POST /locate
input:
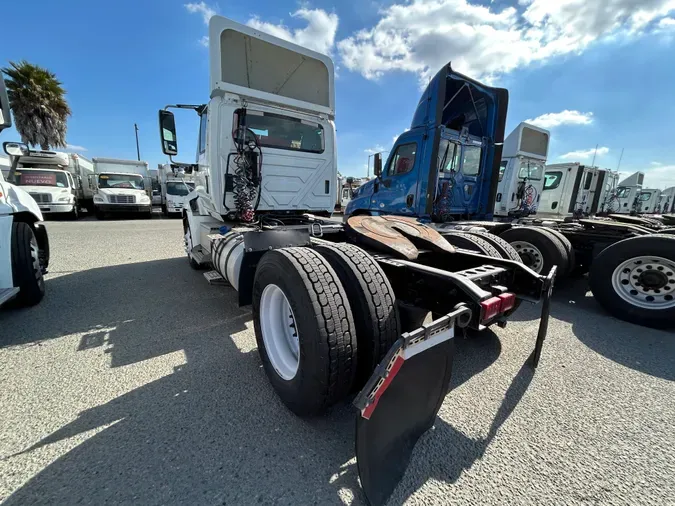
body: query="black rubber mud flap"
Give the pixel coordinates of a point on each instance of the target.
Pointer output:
(400, 403)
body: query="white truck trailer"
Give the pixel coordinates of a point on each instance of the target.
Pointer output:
(122, 186)
(175, 185)
(521, 173)
(328, 314)
(24, 244)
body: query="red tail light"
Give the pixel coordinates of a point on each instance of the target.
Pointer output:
(496, 305)
(508, 301)
(490, 308)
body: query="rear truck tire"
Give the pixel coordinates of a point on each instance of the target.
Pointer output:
(567, 245)
(372, 301)
(467, 241)
(634, 280)
(537, 249)
(26, 267)
(506, 251)
(304, 329)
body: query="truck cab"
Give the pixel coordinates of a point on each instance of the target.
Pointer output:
(24, 243)
(446, 166)
(521, 173)
(625, 199)
(45, 176)
(572, 190)
(121, 186)
(175, 185)
(648, 201)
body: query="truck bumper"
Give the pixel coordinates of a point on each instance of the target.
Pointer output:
(124, 208)
(56, 208)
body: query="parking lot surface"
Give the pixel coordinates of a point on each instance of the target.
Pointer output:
(135, 382)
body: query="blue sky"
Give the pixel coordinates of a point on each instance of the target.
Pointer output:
(598, 72)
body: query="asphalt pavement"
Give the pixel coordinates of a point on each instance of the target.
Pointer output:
(136, 382)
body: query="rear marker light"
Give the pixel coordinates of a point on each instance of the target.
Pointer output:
(508, 301)
(490, 308)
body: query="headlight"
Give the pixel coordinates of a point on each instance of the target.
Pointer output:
(98, 198)
(145, 198)
(64, 199)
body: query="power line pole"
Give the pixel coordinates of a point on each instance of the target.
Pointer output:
(138, 150)
(596, 152)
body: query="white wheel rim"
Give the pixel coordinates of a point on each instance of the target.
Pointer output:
(530, 255)
(279, 332)
(647, 282)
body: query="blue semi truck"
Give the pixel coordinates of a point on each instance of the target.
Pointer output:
(444, 172)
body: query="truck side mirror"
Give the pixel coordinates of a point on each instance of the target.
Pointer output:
(5, 116)
(15, 148)
(377, 165)
(167, 132)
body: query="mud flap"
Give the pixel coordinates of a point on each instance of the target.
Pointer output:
(547, 291)
(400, 403)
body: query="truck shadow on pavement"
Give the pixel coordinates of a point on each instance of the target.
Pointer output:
(213, 431)
(643, 349)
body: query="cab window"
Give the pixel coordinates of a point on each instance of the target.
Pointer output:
(448, 156)
(623, 192)
(645, 196)
(202, 132)
(552, 180)
(403, 160)
(502, 169)
(471, 160)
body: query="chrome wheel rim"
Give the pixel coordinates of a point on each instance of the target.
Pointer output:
(279, 332)
(530, 255)
(647, 282)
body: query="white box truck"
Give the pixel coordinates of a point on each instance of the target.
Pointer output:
(51, 178)
(121, 186)
(24, 244)
(175, 184)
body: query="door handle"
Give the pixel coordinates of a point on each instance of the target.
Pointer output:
(409, 200)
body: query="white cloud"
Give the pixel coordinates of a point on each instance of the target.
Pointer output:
(656, 164)
(667, 24)
(204, 41)
(566, 117)
(660, 177)
(319, 34)
(201, 8)
(74, 147)
(585, 154)
(377, 149)
(420, 36)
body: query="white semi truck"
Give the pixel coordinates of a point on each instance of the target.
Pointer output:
(59, 182)
(625, 199)
(521, 173)
(175, 185)
(24, 244)
(331, 301)
(648, 201)
(667, 201)
(122, 186)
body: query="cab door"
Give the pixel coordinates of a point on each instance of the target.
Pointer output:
(395, 192)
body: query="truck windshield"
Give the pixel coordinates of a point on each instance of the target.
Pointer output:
(531, 169)
(622, 192)
(179, 188)
(645, 196)
(32, 177)
(129, 181)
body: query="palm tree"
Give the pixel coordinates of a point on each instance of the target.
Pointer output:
(38, 102)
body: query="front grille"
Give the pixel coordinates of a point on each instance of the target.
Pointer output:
(122, 199)
(41, 198)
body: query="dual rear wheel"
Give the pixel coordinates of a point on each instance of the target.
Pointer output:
(324, 318)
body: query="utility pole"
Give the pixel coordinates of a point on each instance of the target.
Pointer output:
(620, 158)
(592, 163)
(138, 150)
